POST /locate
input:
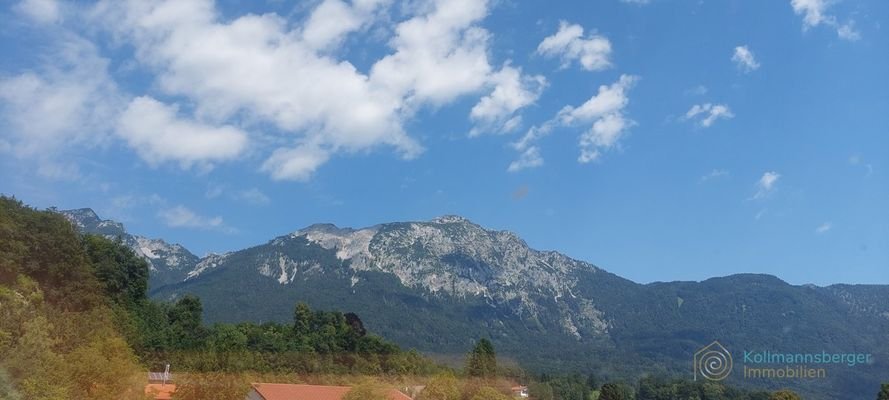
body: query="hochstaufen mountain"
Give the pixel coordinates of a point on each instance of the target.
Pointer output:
(440, 285)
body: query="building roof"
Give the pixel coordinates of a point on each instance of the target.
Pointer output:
(280, 391)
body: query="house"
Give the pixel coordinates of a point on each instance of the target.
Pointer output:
(519, 391)
(281, 391)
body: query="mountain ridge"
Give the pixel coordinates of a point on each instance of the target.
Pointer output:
(441, 284)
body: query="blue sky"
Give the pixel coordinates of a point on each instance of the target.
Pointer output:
(659, 140)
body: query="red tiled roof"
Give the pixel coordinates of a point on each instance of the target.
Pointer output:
(280, 391)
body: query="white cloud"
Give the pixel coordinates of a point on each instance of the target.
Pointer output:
(637, 2)
(158, 134)
(255, 67)
(281, 80)
(714, 174)
(815, 13)
(49, 113)
(744, 59)
(766, 184)
(512, 91)
(707, 113)
(603, 113)
(253, 196)
(569, 44)
(823, 228)
(42, 11)
(529, 158)
(297, 163)
(439, 55)
(332, 20)
(182, 217)
(261, 70)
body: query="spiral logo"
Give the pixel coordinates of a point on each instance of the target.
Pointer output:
(713, 362)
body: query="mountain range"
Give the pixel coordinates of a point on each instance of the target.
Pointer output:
(442, 284)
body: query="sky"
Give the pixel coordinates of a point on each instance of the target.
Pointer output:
(659, 140)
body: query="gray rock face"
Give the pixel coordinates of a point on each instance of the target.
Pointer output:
(168, 263)
(453, 256)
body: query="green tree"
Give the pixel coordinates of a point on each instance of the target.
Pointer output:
(489, 393)
(616, 391)
(443, 386)
(226, 338)
(540, 391)
(186, 329)
(367, 391)
(884, 392)
(482, 360)
(785, 395)
(122, 274)
(302, 319)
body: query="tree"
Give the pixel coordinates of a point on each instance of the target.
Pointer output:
(302, 319)
(489, 393)
(443, 386)
(884, 392)
(615, 391)
(785, 395)
(185, 323)
(366, 391)
(482, 359)
(123, 274)
(540, 391)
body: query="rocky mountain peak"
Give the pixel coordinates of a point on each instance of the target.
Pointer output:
(451, 219)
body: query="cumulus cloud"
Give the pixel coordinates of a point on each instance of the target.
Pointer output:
(182, 217)
(330, 22)
(706, 114)
(158, 134)
(569, 44)
(745, 59)
(603, 116)
(42, 11)
(766, 184)
(815, 13)
(283, 81)
(439, 55)
(823, 228)
(512, 91)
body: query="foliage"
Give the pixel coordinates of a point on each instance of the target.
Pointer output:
(489, 393)
(482, 360)
(367, 391)
(884, 392)
(211, 386)
(616, 391)
(443, 386)
(541, 391)
(785, 395)
(59, 337)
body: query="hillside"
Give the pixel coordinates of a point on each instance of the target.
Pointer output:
(442, 284)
